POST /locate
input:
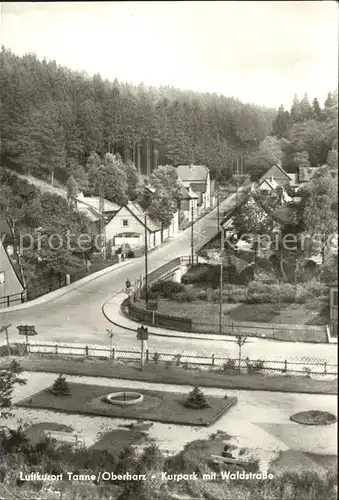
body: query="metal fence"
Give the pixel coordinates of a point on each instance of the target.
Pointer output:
(304, 365)
(11, 300)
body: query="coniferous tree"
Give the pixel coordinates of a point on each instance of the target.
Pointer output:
(316, 109)
(60, 386)
(196, 400)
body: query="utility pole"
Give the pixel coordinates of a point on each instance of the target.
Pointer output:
(221, 277)
(146, 262)
(192, 236)
(102, 218)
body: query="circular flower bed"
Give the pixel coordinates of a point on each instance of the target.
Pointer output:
(124, 398)
(314, 417)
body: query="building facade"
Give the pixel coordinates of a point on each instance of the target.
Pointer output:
(11, 288)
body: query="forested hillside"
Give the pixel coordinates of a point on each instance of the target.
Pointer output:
(53, 118)
(305, 136)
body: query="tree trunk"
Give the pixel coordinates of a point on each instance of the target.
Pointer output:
(11, 225)
(148, 157)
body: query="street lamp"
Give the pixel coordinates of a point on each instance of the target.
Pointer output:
(146, 259)
(221, 276)
(151, 191)
(192, 236)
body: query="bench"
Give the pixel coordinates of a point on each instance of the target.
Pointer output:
(65, 437)
(226, 460)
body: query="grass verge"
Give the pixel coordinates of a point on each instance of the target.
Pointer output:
(177, 375)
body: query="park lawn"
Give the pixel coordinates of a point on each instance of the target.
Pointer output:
(199, 310)
(205, 319)
(175, 375)
(208, 312)
(158, 406)
(270, 313)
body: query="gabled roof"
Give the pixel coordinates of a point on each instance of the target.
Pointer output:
(94, 203)
(192, 173)
(183, 193)
(271, 183)
(137, 212)
(270, 172)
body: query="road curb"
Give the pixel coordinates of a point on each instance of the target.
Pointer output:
(194, 336)
(176, 334)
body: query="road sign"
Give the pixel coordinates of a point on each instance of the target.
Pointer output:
(27, 330)
(152, 305)
(142, 333)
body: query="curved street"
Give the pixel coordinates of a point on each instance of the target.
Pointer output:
(77, 316)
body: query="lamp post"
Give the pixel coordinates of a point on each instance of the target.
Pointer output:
(221, 276)
(192, 236)
(146, 260)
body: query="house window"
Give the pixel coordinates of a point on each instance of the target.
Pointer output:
(124, 222)
(2, 277)
(334, 296)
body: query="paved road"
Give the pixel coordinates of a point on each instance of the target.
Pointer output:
(77, 316)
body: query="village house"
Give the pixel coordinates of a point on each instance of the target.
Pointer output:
(11, 287)
(278, 174)
(188, 203)
(129, 225)
(90, 207)
(197, 177)
(270, 186)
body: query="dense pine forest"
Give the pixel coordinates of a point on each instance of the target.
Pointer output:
(54, 118)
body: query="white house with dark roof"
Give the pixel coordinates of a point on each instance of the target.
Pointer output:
(197, 177)
(11, 287)
(90, 207)
(278, 174)
(188, 202)
(129, 225)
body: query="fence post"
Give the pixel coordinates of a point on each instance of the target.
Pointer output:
(86, 351)
(113, 353)
(325, 367)
(212, 359)
(147, 356)
(8, 300)
(285, 367)
(56, 348)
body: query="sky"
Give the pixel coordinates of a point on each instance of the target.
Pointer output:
(260, 52)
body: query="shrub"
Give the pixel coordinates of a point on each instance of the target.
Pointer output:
(167, 288)
(255, 366)
(246, 275)
(196, 400)
(259, 293)
(60, 387)
(229, 366)
(186, 296)
(202, 295)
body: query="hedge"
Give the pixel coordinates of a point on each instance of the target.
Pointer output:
(139, 313)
